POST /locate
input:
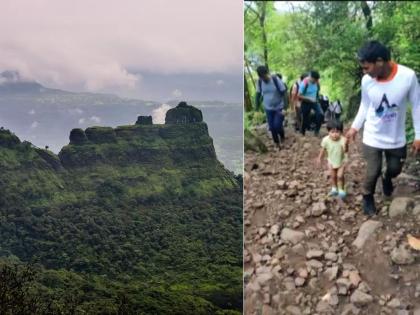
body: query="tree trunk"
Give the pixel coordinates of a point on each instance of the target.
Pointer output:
(367, 12)
(247, 96)
(248, 69)
(354, 100)
(262, 14)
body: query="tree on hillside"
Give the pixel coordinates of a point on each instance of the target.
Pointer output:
(15, 291)
(258, 12)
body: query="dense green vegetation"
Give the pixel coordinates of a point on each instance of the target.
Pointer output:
(138, 220)
(325, 35)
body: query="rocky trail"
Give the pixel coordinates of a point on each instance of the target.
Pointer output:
(307, 253)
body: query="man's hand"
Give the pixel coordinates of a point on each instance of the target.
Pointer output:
(351, 134)
(346, 145)
(416, 147)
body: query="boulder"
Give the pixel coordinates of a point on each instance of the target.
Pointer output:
(292, 236)
(365, 232)
(416, 211)
(252, 142)
(331, 273)
(350, 309)
(331, 256)
(394, 303)
(77, 136)
(183, 114)
(318, 209)
(144, 120)
(293, 310)
(324, 308)
(400, 206)
(101, 134)
(360, 298)
(314, 254)
(402, 256)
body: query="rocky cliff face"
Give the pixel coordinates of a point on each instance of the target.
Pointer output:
(183, 114)
(8, 139)
(144, 120)
(175, 157)
(183, 139)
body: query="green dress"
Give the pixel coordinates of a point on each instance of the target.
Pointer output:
(335, 150)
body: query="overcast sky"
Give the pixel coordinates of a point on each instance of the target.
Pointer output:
(103, 46)
(288, 6)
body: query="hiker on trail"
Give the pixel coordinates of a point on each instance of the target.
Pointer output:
(386, 87)
(272, 90)
(308, 94)
(334, 110)
(335, 145)
(285, 95)
(295, 101)
(324, 102)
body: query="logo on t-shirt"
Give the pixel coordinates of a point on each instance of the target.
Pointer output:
(385, 111)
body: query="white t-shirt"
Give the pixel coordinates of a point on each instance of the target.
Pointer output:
(383, 109)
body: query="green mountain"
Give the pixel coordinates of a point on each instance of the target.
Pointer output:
(140, 218)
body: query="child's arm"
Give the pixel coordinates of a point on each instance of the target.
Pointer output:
(321, 156)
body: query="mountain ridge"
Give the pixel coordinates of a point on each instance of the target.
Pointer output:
(43, 118)
(138, 209)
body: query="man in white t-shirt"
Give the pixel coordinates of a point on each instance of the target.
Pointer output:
(386, 89)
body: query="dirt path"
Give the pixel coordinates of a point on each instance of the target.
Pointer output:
(299, 256)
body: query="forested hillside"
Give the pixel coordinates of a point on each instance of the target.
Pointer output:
(140, 219)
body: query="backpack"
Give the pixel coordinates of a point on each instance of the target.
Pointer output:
(324, 102)
(306, 82)
(330, 114)
(276, 83)
(285, 96)
(340, 107)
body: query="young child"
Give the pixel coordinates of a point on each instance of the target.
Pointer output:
(336, 147)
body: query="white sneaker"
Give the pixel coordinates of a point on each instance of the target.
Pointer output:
(333, 192)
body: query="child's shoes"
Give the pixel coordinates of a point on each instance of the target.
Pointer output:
(342, 194)
(333, 192)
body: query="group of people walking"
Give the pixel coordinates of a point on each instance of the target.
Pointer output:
(303, 97)
(386, 89)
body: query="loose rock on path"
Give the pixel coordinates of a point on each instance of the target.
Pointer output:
(307, 253)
